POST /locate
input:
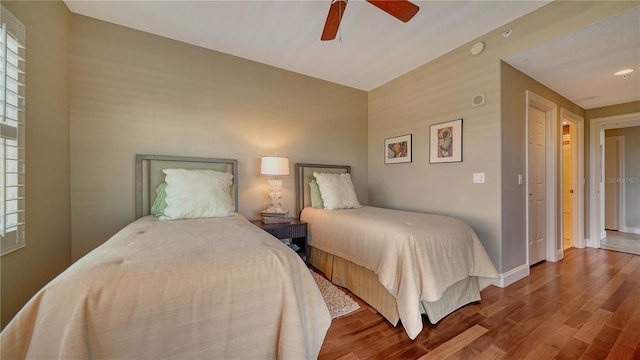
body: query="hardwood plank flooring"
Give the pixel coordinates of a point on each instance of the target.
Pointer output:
(586, 306)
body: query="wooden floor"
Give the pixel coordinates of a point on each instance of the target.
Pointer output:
(586, 306)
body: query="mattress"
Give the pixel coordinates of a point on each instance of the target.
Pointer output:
(416, 257)
(214, 288)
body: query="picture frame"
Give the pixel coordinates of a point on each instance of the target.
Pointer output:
(445, 142)
(397, 149)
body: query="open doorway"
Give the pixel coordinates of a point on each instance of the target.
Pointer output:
(572, 180)
(567, 183)
(622, 189)
(628, 183)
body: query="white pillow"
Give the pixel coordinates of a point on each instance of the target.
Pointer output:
(194, 194)
(337, 191)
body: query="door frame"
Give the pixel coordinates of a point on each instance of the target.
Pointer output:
(596, 170)
(577, 179)
(552, 253)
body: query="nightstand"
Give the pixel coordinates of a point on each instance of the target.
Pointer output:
(296, 230)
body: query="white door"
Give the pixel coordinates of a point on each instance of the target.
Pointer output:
(536, 179)
(611, 183)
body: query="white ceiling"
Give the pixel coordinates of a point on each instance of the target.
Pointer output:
(583, 62)
(375, 47)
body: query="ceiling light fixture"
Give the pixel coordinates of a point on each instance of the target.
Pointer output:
(623, 72)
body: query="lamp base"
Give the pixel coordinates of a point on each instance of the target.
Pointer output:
(275, 194)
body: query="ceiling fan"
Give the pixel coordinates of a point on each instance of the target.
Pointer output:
(401, 9)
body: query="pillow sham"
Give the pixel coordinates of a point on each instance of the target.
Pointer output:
(159, 204)
(316, 198)
(193, 194)
(337, 191)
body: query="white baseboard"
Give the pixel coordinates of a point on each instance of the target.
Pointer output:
(559, 255)
(592, 243)
(513, 275)
(631, 230)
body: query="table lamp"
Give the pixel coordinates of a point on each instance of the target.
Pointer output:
(274, 166)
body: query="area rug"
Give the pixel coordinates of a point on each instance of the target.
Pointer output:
(338, 302)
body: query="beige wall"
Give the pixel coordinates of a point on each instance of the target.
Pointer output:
(132, 92)
(442, 90)
(48, 228)
(620, 109)
(435, 93)
(514, 160)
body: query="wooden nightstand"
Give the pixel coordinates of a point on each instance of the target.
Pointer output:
(296, 230)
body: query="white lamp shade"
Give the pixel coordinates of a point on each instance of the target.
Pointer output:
(274, 165)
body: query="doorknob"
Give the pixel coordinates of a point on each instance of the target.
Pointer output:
(571, 191)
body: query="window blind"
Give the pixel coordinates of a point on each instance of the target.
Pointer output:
(12, 132)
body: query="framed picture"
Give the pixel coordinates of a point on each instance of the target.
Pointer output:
(397, 149)
(445, 144)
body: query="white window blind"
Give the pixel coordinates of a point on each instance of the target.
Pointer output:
(12, 132)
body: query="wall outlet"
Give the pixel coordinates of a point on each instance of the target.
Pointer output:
(478, 178)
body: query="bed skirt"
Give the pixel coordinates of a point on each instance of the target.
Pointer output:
(364, 284)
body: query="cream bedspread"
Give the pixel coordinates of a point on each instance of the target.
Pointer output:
(416, 256)
(189, 289)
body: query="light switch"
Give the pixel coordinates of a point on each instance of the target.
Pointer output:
(478, 178)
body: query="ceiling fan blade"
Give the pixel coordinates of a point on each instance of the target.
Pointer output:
(401, 9)
(333, 19)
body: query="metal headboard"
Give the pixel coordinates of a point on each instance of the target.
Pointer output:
(149, 175)
(304, 174)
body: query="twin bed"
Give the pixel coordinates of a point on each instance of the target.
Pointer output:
(209, 288)
(212, 285)
(402, 263)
